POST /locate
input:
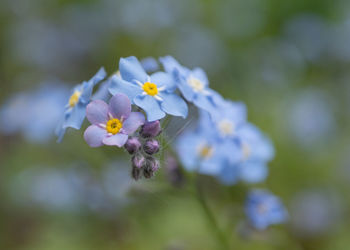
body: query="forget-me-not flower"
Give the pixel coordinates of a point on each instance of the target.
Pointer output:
(201, 150)
(228, 117)
(193, 84)
(76, 107)
(263, 209)
(154, 93)
(111, 124)
(255, 150)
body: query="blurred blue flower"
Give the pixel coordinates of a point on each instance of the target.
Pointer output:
(193, 84)
(263, 209)
(228, 116)
(311, 121)
(255, 151)
(154, 94)
(76, 108)
(36, 103)
(204, 154)
(314, 212)
(201, 150)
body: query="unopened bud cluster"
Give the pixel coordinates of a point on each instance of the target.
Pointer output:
(142, 147)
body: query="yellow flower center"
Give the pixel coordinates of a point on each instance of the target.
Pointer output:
(206, 151)
(195, 84)
(113, 126)
(73, 100)
(150, 88)
(226, 127)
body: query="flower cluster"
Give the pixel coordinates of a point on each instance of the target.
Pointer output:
(223, 144)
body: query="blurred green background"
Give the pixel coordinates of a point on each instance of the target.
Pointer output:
(287, 60)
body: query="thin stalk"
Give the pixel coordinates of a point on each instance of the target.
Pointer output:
(219, 234)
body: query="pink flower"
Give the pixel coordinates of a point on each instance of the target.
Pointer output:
(113, 123)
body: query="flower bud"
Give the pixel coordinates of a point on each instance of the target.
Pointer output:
(132, 145)
(151, 129)
(138, 161)
(151, 146)
(152, 165)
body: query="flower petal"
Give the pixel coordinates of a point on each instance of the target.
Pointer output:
(186, 90)
(204, 102)
(97, 112)
(75, 118)
(87, 87)
(94, 135)
(118, 85)
(134, 121)
(169, 63)
(99, 76)
(163, 79)
(200, 75)
(119, 106)
(115, 140)
(151, 106)
(174, 105)
(130, 69)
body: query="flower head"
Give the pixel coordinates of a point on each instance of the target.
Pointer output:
(154, 93)
(193, 84)
(74, 114)
(256, 150)
(228, 117)
(111, 124)
(201, 150)
(263, 209)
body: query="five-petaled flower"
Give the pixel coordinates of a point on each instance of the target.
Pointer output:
(193, 84)
(154, 94)
(74, 114)
(113, 123)
(263, 209)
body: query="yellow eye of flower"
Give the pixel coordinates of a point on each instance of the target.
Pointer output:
(73, 100)
(113, 126)
(206, 151)
(150, 88)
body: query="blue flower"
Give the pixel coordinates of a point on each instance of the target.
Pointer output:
(193, 84)
(263, 209)
(43, 108)
(154, 94)
(200, 150)
(228, 117)
(255, 150)
(75, 112)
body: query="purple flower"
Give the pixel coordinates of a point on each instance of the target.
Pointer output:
(111, 124)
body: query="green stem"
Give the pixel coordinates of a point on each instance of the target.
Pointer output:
(219, 234)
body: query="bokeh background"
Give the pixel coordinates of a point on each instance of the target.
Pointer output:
(287, 60)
